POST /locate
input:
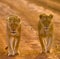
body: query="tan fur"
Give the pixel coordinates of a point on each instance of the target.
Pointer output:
(13, 34)
(45, 31)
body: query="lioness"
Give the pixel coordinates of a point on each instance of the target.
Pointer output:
(45, 31)
(13, 34)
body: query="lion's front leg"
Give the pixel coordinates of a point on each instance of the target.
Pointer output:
(42, 43)
(10, 45)
(49, 43)
(16, 44)
(49, 39)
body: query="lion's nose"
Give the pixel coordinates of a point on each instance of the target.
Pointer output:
(13, 31)
(46, 27)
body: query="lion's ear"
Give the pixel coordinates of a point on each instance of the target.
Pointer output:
(51, 16)
(8, 18)
(40, 16)
(19, 19)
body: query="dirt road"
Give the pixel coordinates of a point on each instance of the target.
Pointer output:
(29, 14)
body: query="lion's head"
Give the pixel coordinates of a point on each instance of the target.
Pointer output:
(46, 19)
(13, 22)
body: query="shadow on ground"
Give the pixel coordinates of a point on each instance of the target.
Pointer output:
(6, 57)
(41, 56)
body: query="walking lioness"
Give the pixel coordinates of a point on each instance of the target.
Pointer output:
(45, 30)
(13, 34)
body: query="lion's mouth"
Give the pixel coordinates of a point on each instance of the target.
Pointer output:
(13, 32)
